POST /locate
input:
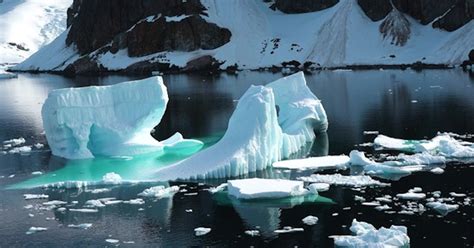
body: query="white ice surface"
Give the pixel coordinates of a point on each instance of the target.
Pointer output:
(442, 208)
(159, 191)
(254, 188)
(338, 179)
(200, 231)
(366, 235)
(252, 144)
(318, 187)
(310, 220)
(326, 162)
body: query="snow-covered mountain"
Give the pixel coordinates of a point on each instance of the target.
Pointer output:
(27, 25)
(142, 36)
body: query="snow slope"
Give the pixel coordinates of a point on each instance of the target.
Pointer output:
(29, 24)
(252, 144)
(335, 37)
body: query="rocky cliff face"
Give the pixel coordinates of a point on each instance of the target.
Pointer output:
(303, 6)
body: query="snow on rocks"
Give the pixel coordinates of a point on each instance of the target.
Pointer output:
(366, 235)
(265, 188)
(310, 220)
(160, 191)
(252, 144)
(200, 231)
(325, 162)
(36, 229)
(338, 179)
(110, 120)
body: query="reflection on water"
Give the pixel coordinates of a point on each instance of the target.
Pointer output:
(403, 104)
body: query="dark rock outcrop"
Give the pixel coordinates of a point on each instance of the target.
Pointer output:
(425, 11)
(396, 27)
(376, 10)
(94, 23)
(189, 34)
(461, 13)
(471, 55)
(303, 6)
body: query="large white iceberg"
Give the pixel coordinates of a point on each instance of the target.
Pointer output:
(106, 120)
(270, 123)
(368, 236)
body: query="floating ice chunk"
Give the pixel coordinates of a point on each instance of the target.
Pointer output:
(454, 149)
(358, 158)
(159, 191)
(36, 229)
(200, 231)
(412, 196)
(112, 202)
(137, 201)
(371, 132)
(394, 143)
(105, 120)
(423, 158)
(176, 144)
(35, 196)
(325, 162)
(112, 241)
(338, 179)
(219, 188)
(386, 198)
(437, 170)
(383, 208)
(83, 210)
(36, 173)
(265, 188)
(252, 233)
(15, 142)
(310, 220)
(7, 75)
(38, 145)
(21, 149)
(252, 144)
(442, 208)
(318, 187)
(94, 204)
(97, 191)
(54, 203)
(454, 194)
(112, 178)
(80, 226)
(368, 236)
(289, 229)
(359, 198)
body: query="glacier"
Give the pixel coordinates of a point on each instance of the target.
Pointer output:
(285, 115)
(114, 120)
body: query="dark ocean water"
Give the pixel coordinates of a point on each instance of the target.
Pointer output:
(405, 104)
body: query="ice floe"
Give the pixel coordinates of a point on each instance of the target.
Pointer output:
(310, 220)
(106, 120)
(159, 191)
(36, 229)
(366, 235)
(80, 226)
(411, 196)
(14, 142)
(35, 196)
(94, 204)
(84, 210)
(252, 144)
(112, 178)
(289, 229)
(200, 231)
(315, 188)
(338, 179)
(252, 233)
(442, 208)
(265, 188)
(325, 162)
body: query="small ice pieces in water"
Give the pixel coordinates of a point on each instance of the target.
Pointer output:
(35, 196)
(200, 231)
(252, 233)
(437, 170)
(318, 187)
(310, 220)
(219, 188)
(454, 194)
(411, 196)
(442, 208)
(15, 142)
(80, 226)
(84, 210)
(137, 201)
(21, 149)
(36, 173)
(94, 204)
(159, 191)
(54, 203)
(253, 188)
(325, 162)
(38, 145)
(289, 229)
(338, 179)
(366, 235)
(36, 229)
(112, 241)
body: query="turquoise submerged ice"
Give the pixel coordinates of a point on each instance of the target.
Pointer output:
(269, 123)
(111, 120)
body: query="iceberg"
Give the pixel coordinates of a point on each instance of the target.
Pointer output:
(111, 120)
(285, 115)
(368, 236)
(325, 162)
(254, 188)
